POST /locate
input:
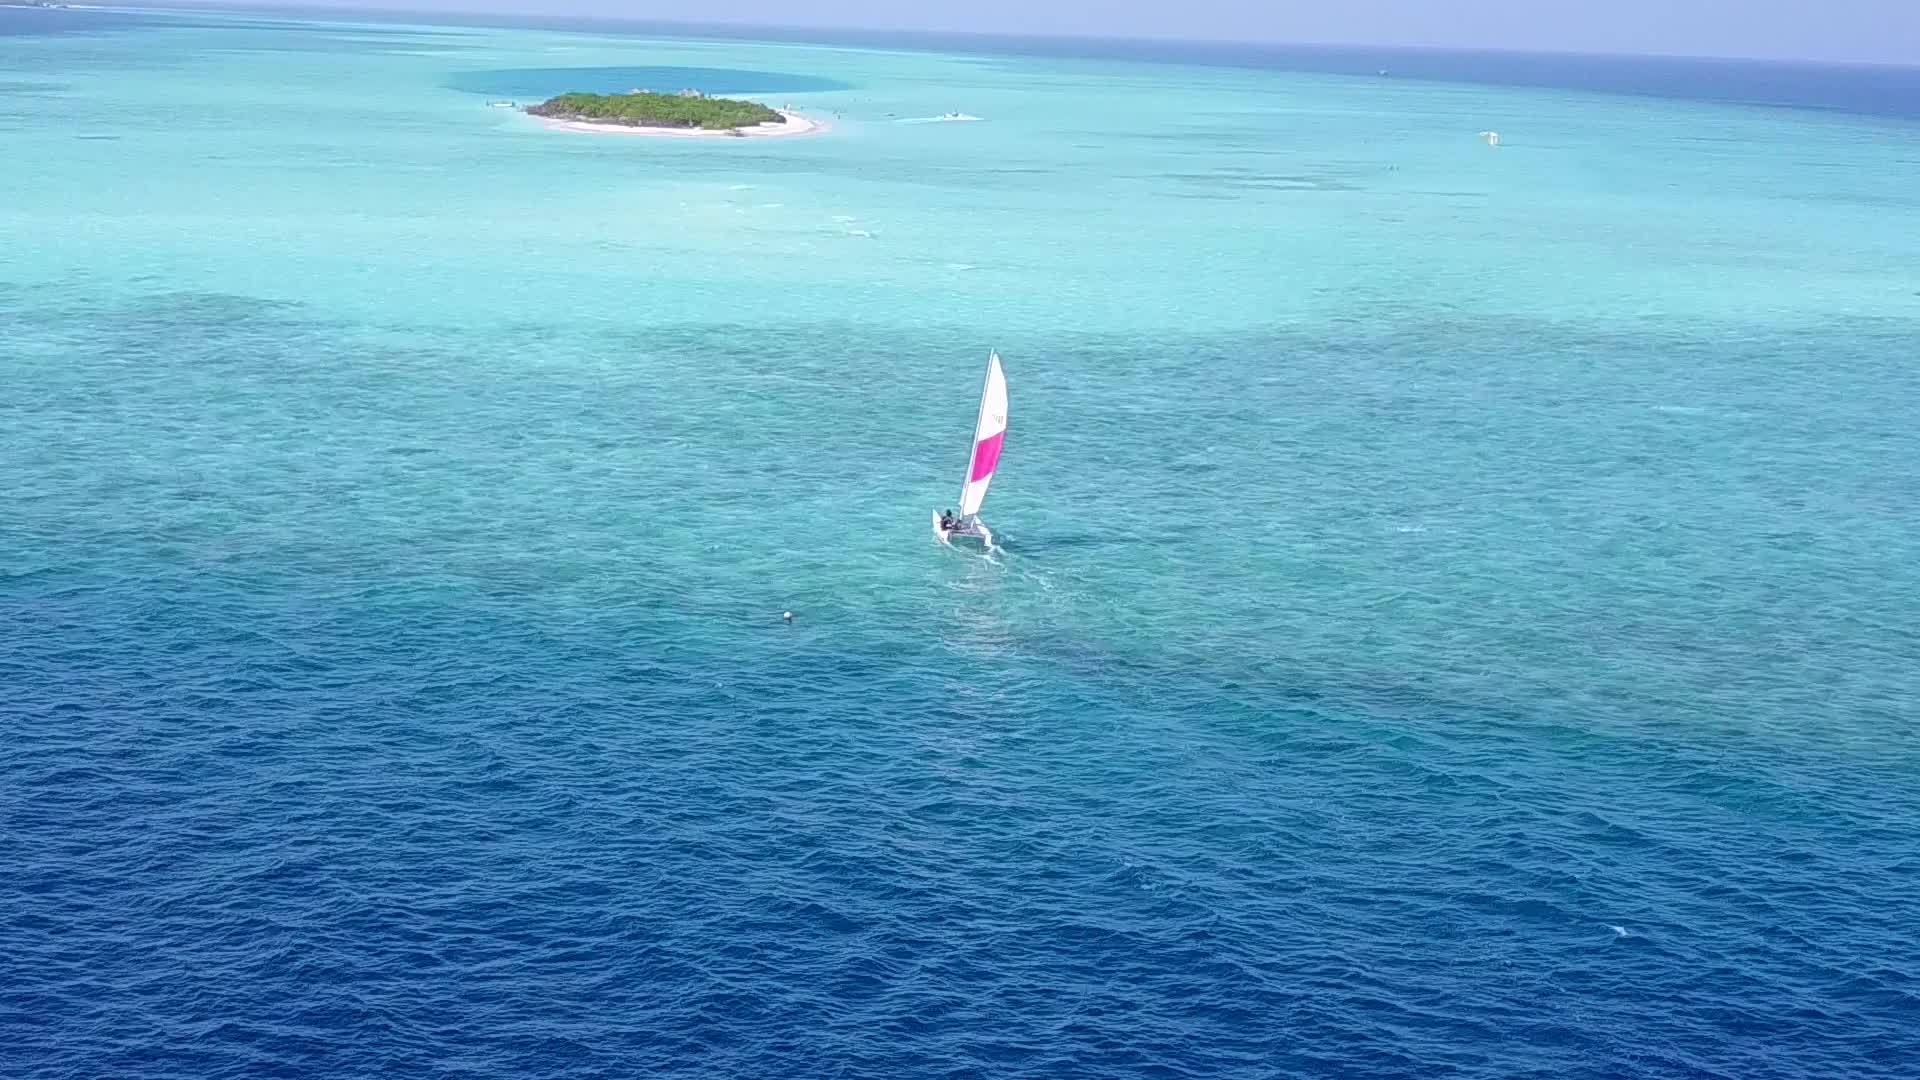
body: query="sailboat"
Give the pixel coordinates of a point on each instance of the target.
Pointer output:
(983, 457)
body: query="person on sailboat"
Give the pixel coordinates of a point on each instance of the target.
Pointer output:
(948, 522)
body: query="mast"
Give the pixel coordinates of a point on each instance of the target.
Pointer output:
(973, 440)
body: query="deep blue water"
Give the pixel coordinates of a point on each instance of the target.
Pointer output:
(1460, 613)
(22, 21)
(456, 790)
(1874, 90)
(1864, 89)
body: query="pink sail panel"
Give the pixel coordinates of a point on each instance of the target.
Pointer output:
(986, 454)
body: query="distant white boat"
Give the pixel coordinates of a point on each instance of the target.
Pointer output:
(1491, 138)
(943, 118)
(500, 105)
(983, 459)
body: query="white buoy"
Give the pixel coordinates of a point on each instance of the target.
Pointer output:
(787, 615)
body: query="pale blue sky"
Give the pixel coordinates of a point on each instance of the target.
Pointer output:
(1886, 31)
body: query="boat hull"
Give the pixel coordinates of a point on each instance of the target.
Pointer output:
(971, 530)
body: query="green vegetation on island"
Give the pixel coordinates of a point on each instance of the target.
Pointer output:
(646, 109)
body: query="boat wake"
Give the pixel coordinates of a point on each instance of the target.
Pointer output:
(988, 553)
(949, 118)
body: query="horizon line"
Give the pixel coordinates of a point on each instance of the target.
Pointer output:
(300, 7)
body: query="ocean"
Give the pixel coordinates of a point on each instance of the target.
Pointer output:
(1459, 613)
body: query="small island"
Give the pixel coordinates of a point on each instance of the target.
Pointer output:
(689, 112)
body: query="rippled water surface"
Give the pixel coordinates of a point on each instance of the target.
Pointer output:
(1457, 615)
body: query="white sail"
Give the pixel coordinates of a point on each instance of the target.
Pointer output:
(989, 431)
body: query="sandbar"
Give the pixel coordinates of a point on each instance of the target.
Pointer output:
(790, 124)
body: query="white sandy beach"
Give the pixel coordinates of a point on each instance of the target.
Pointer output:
(790, 124)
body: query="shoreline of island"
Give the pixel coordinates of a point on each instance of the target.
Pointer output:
(791, 123)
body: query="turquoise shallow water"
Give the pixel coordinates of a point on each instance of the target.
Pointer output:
(1457, 616)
